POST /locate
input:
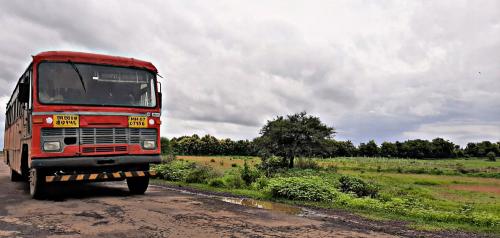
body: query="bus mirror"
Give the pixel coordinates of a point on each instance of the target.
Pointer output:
(24, 92)
(160, 99)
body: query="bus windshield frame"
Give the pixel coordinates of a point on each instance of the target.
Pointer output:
(100, 85)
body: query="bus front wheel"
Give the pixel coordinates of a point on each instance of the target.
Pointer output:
(138, 185)
(37, 184)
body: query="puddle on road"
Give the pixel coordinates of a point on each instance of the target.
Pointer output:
(263, 205)
(248, 202)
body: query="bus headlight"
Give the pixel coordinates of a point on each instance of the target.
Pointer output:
(52, 146)
(149, 144)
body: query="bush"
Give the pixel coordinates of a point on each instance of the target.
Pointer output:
(272, 165)
(232, 179)
(261, 183)
(349, 184)
(302, 163)
(175, 170)
(185, 171)
(200, 174)
(249, 175)
(302, 188)
(216, 182)
(491, 156)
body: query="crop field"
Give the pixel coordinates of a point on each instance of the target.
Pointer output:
(461, 194)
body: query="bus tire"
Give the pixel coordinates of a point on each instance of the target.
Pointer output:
(138, 185)
(25, 170)
(37, 184)
(15, 176)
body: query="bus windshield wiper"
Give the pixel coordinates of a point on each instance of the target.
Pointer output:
(79, 74)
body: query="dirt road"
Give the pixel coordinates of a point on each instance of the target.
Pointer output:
(106, 210)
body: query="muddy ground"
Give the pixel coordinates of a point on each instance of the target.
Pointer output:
(107, 210)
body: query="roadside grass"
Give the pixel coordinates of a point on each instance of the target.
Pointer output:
(427, 201)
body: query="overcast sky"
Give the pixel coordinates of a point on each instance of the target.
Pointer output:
(387, 70)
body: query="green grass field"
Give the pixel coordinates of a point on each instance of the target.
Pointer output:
(437, 194)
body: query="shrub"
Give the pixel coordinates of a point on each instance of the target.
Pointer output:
(169, 158)
(349, 184)
(212, 160)
(175, 170)
(232, 179)
(302, 163)
(185, 171)
(272, 165)
(216, 182)
(260, 183)
(302, 188)
(234, 165)
(491, 156)
(249, 175)
(200, 174)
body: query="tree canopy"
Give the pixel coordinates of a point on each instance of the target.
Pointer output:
(294, 135)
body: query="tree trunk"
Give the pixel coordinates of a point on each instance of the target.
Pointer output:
(290, 165)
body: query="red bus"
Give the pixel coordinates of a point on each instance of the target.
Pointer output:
(83, 117)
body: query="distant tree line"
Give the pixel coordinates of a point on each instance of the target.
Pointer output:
(207, 145)
(418, 149)
(302, 135)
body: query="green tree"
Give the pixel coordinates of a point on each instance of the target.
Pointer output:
(388, 149)
(471, 149)
(369, 149)
(417, 149)
(295, 135)
(442, 148)
(164, 145)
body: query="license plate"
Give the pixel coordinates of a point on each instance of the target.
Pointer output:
(137, 122)
(66, 121)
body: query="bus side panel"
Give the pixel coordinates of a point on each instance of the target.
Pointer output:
(13, 144)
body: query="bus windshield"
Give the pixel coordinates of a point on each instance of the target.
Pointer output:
(88, 84)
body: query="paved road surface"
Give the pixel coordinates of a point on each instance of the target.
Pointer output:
(106, 210)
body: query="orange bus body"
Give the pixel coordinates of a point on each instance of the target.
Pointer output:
(93, 139)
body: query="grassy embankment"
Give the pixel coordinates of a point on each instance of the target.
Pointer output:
(431, 194)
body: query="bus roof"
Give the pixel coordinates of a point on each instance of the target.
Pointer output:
(81, 57)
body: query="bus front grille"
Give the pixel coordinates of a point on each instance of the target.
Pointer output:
(99, 136)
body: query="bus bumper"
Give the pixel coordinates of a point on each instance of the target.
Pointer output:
(91, 161)
(95, 177)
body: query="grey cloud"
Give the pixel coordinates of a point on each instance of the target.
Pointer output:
(382, 70)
